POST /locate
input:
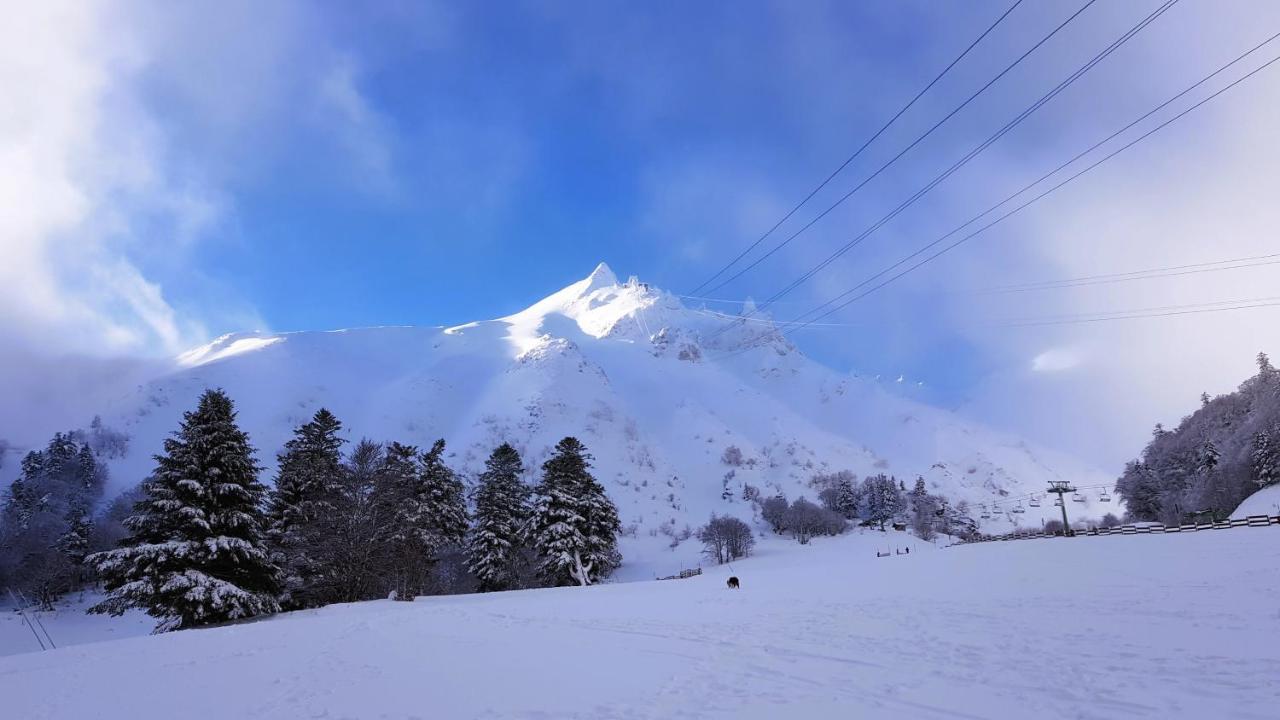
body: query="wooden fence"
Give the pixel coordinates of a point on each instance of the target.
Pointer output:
(683, 574)
(1137, 529)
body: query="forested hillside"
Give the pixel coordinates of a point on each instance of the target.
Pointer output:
(1217, 456)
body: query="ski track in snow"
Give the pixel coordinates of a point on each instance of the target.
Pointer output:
(1123, 627)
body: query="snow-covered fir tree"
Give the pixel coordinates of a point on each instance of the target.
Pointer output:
(46, 520)
(924, 510)
(408, 540)
(883, 498)
(840, 493)
(302, 505)
(444, 499)
(425, 506)
(196, 553)
(575, 525)
(1265, 457)
(502, 510)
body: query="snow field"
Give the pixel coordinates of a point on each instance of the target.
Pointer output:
(1106, 627)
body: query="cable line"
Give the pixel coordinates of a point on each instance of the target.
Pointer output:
(1149, 274)
(1028, 203)
(797, 324)
(1129, 34)
(864, 146)
(1142, 313)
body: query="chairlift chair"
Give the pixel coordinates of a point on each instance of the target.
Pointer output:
(1104, 497)
(1077, 497)
(1018, 508)
(1034, 502)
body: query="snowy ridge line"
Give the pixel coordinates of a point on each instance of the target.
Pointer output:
(1143, 529)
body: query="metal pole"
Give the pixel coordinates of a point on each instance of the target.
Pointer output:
(23, 613)
(36, 615)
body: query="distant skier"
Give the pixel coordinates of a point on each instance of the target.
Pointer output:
(733, 582)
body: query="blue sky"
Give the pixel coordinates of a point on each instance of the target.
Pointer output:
(198, 168)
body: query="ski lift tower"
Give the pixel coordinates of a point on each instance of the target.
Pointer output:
(1061, 488)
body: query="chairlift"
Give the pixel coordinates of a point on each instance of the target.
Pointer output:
(1018, 508)
(1104, 497)
(1034, 502)
(985, 515)
(1058, 502)
(1077, 497)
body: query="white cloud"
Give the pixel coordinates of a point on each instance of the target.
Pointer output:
(78, 160)
(124, 133)
(361, 129)
(1055, 360)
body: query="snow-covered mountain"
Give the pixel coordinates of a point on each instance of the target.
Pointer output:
(660, 392)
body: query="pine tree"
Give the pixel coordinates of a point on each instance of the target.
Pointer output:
(47, 519)
(575, 526)
(923, 510)
(502, 511)
(444, 499)
(196, 554)
(883, 498)
(74, 542)
(1266, 458)
(408, 540)
(302, 504)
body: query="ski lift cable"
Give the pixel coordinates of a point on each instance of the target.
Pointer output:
(973, 152)
(1044, 193)
(798, 321)
(880, 132)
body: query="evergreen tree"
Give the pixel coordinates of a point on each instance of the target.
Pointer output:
(840, 494)
(196, 554)
(355, 542)
(924, 509)
(409, 538)
(47, 519)
(575, 526)
(1265, 457)
(444, 503)
(883, 498)
(302, 504)
(502, 510)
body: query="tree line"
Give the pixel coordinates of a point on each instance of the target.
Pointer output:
(1217, 456)
(203, 541)
(842, 501)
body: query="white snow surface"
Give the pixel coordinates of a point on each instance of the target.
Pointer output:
(1163, 626)
(651, 386)
(1264, 502)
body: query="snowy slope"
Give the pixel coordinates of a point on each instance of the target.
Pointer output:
(1264, 502)
(1163, 626)
(651, 386)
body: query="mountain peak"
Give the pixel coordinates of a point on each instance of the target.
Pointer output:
(602, 276)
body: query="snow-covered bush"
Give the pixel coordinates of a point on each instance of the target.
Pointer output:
(732, 456)
(804, 520)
